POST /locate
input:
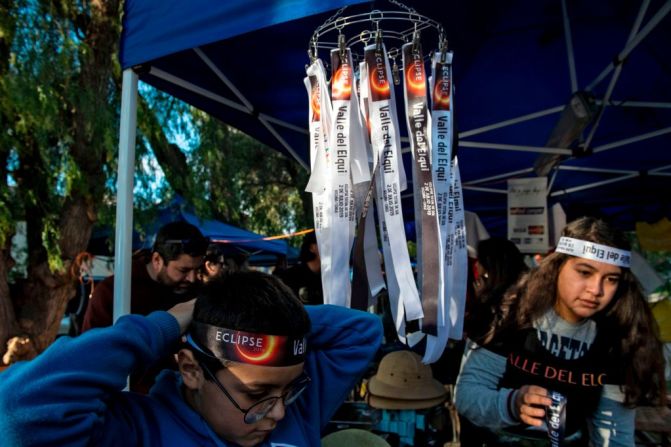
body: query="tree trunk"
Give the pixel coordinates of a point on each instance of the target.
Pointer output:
(40, 303)
(7, 317)
(45, 294)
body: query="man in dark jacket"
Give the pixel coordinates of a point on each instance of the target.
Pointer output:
(160, 279)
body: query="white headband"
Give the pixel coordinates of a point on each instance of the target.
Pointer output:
(596, 252)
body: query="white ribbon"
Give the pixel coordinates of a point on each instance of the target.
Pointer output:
(441, 162)
(459, 256)
(371, 250)
(594, 251)
(337, 286)
(451, 216)
(385, 142)
(320, 125)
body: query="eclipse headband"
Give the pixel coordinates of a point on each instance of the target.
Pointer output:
(248, 347)
(596, 252)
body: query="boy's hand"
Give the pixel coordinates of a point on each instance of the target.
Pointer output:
(183, 313)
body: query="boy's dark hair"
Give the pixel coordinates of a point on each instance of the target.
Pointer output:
(308, 240)
(178, 238)
(250, 301)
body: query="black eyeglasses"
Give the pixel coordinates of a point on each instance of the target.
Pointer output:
(260, 409)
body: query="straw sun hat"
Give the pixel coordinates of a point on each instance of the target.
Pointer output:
(403, 382)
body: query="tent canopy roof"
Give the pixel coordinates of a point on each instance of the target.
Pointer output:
(243, 62)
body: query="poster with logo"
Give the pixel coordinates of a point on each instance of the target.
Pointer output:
(528, 214)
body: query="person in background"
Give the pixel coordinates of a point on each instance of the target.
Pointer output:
(305, 278)
(493, 266)
(159, 280)
(237, 262)
(214, 263)
(256, 367)
(578, 325)
(499, 264)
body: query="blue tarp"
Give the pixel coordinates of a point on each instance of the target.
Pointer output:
(238, 240)
(245, 60)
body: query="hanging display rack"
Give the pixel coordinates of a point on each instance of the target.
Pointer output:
(391, 27)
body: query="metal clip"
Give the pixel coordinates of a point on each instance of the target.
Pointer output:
(312, 50)
(378, 40)
(394, 73)
(342, 46)
(415, 40)
(443, 50)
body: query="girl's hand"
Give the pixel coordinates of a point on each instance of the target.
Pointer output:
(183, 313)
(530, 403)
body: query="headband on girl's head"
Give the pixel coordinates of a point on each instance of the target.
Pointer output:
(593, 251)
(248, 347)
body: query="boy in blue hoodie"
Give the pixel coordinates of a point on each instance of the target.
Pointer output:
(255, 368)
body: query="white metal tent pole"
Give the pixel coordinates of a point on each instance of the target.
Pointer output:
(592, 185)
(551, 182)
(249, 106)
(654, 21)
(220, 99)
(520, 119)
(639, 19)
(569, 48)
(596, 170)
(124, 196)
(516, 147)
(616, 75)
(465, 187)
(195, 89)
(505, 175)
(627, 174)
(658, 171)
(635, 139)
(279, 122)
(641, 104)
(483, 189)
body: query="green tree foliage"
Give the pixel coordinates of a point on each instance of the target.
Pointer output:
(59, 106)
(245, 183)
(58, 112)
(226, 174)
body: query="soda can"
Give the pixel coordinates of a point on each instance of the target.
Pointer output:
(555, 418)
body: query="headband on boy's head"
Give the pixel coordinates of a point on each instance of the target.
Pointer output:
(247, 347)
(593, 251)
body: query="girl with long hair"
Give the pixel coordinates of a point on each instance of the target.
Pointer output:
(574, 332)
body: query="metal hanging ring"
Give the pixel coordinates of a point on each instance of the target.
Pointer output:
(340, 23)
(364, 37)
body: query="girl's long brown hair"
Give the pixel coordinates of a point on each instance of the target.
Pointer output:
(627, 320)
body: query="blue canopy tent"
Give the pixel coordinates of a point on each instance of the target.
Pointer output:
(234, 240)
(517, 65)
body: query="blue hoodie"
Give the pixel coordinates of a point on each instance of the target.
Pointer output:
(70, 395)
